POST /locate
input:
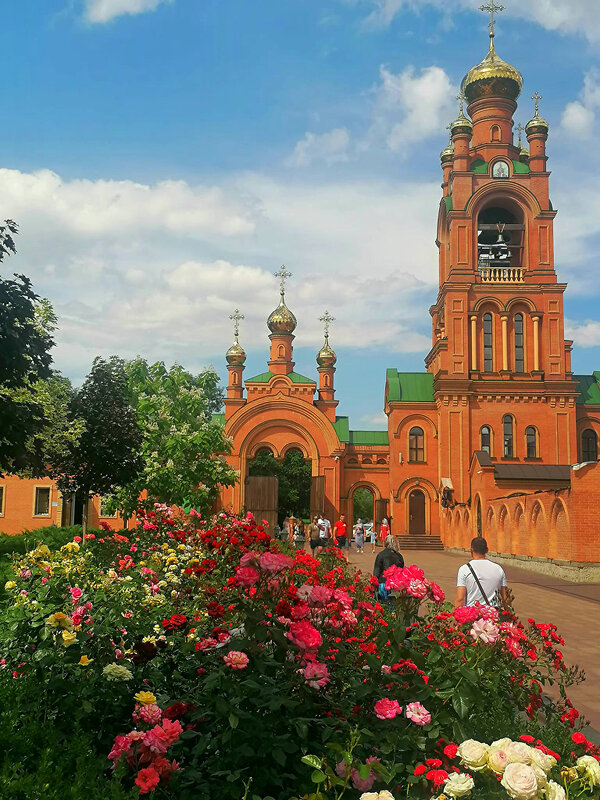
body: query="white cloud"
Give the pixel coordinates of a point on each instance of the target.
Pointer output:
(579, 117)
(379, 420)
(568, 16)
(101, 11)
(585, 334)
(330, 147)
(411, 106)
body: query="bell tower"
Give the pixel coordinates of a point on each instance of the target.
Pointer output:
(499, 355)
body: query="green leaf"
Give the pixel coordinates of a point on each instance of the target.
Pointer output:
(318, 776)
(233, 720)
(462, 701)
(313, 761)
(364, 771)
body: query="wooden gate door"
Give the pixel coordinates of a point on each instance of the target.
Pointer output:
(261, 498)
(317, 495)
(416, 512)
(380, 512)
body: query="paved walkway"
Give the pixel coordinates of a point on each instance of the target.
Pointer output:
(574, 608)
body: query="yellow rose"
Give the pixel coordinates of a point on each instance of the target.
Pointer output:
(9, 585)
(54, 620)
(84, 661)
(69, 638)
(145, 698)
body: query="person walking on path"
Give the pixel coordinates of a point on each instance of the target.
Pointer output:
(389, 556)
(325, 528)
(480, 581)
(340, 533)
(314, 534)
(359, 536)
(373, 537)
(384, 530)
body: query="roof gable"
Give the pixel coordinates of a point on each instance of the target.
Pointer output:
(409, 387)
(265, 377)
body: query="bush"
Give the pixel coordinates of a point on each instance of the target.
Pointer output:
(207, 660)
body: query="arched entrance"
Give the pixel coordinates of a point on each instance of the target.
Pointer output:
(363, 504)
(293, 473)
(416, 513)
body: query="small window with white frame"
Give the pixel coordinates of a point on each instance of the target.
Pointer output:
(104, 509)
(41, 502)
(2, 498)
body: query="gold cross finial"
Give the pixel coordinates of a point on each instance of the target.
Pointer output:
(326, 319)
(282, 274)
(236, 318)
(492, 8)
(537, 97)
(461, 97)
(520, 128)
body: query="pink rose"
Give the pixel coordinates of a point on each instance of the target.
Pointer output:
(364, 784)
(304, 635)
(513, 647)
(316, 674)
(417, 588)
(249, 559)
(466, 614)
(275, 562)
(75, 593)
(301, 611)
(246, 576)
(484, 630)
(387, 709)
(150, 713)
(488, 612)
(437, 593)
(418, 714)
(236, 659)
(319, 596)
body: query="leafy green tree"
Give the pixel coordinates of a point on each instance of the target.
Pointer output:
(294, 475)
(106, 454)
(183, 449)
(363, 504)
(26, 327)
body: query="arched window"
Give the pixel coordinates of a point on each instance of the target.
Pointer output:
(488, 343)
(486, 440)
(519, 344)
(507, 424)
(416, 445)
(495, 133)
(281, 351)
(589, 445)
(479, 520)
(531, 441)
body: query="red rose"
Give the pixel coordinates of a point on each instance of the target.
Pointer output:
(304, 635)
(420, 769)
(450, 750)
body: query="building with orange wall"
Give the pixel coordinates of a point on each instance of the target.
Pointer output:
(497, 436)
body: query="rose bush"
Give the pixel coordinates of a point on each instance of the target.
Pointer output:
(205, 659)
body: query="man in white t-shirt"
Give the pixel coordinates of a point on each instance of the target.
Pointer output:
(325, 528)
(491, 578)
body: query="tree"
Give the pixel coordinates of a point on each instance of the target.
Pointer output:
(183, 450)
(363, 504)
(26, 326)
(106, 454)
(294, 475)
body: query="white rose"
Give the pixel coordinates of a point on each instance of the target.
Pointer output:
(541, 776)
(459, 785)
(501, 744)
(520, 781)
(555, 792)
(519, 752)
(369, 796)
(385, 795)
(591, 768)
(542, 760)
(473, 754)
(497, 760)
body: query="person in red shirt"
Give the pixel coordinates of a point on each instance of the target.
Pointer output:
(340, 532)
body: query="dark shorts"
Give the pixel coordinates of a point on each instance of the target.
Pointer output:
(324, 542)
(341, 541)
(314, 543)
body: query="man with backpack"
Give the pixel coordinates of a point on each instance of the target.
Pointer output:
(480, 581)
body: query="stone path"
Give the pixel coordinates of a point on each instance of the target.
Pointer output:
(574, 608)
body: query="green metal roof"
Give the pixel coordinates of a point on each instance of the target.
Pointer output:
(409, 387)
(369, 437)
(342, 428)
(219, 419)
(589, 389)
(265, 377)
(448, 202)
(480, 167)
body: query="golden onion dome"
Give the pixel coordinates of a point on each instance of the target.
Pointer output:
(236, 357)
(461, 125)
(447, 154)
(493, 77)
(326, 356)
(282, 320)
(524, 155)
(537, 125)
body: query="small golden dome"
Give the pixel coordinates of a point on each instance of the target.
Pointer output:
(282, 320)
(537, 125)
(447, 153)
(493, 77)
(236, 357)
(524, 155)
(461, 125)
(326, 357)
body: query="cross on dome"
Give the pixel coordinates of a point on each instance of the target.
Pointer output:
(282, 274)
(520, 128)
(537, 97)
(236, 318)
(326, 319)
(461, 100)
(492, 8)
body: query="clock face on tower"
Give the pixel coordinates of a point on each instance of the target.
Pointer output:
(500, 170)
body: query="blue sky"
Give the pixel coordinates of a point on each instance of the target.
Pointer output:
(164, 158)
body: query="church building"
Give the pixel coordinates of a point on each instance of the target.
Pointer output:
(497, 437)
